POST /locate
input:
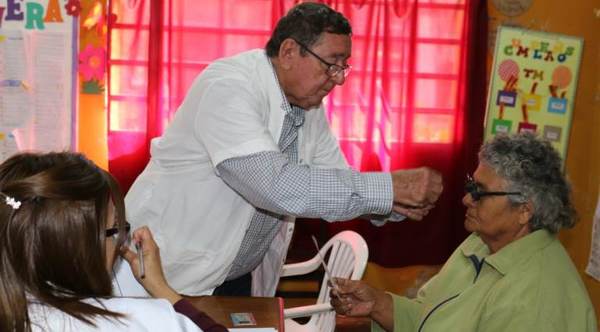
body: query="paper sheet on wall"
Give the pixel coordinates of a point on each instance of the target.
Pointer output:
(593, 268)
(533, 85)
(14, 96)
(51, 120)
(38, 44)
(8, 144)
(35, 85)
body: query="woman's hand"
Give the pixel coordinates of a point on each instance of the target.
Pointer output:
(154, 279)
(352, 298)
(356, 298)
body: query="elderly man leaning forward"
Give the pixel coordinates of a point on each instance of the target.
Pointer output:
(511, 273)
(248, 151)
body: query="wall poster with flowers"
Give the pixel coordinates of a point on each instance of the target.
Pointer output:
(92, 48)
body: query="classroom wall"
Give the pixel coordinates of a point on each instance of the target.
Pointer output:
(576, 18)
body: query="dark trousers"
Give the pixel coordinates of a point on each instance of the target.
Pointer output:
(241, 286)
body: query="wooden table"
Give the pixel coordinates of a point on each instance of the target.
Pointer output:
(268, 311)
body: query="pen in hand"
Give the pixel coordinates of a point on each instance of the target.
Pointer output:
(140, 253)
(333, 284)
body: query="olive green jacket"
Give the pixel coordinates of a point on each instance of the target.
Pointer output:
(529, 285)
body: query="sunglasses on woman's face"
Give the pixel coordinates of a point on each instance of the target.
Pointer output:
(115, 230)
(472, 188)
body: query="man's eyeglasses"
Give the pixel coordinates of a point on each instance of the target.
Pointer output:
(115, 230)
(472, 188)
(332, 69)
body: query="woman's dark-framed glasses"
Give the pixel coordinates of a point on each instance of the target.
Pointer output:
(472, 188)
(332, 68)
(115, 230)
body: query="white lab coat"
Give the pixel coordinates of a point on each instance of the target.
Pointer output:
(140, 315)
(233, 109)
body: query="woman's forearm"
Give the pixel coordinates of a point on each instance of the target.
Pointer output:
(383, 311)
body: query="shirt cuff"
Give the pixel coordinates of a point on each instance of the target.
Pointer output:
(380, 193)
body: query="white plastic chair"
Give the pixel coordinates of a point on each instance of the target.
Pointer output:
(348, 254)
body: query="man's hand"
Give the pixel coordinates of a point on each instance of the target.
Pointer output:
(412, 212)
(416, 191)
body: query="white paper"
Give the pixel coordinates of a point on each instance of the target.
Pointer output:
(593, 268)
(49, 128)
(8, 145)
(15, 101)
(15, 105)
(36, 83)
(12, 51)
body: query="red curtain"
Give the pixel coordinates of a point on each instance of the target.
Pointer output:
(433, 96)
(415, 95)
(157, 48)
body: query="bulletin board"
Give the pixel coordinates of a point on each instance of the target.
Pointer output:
(532, 87)
(38, 75)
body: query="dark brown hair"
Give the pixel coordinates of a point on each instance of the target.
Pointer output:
(305, 23)
(52, 247)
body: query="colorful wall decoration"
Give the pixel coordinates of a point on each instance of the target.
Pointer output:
(532, 86)
(35, 15)
(93, 43)
(92, 47)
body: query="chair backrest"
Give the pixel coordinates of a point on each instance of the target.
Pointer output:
(347, 254)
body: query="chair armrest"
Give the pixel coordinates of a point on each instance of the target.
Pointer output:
(307, 310)
(300, 268)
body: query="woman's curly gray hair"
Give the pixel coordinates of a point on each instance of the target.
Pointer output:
(533, 167)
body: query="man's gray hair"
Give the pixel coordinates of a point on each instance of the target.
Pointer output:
(533, 167)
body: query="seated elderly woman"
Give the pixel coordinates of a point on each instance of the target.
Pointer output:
(61, 227)
(511, 273)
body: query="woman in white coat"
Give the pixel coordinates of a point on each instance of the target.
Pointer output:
(61, 227)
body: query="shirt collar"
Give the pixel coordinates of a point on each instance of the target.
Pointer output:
(296, 112)
(510, 255)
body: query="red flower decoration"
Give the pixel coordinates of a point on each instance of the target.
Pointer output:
(92, 63)
(73, 7)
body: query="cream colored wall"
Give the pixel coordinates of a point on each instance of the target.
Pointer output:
(576, 18)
